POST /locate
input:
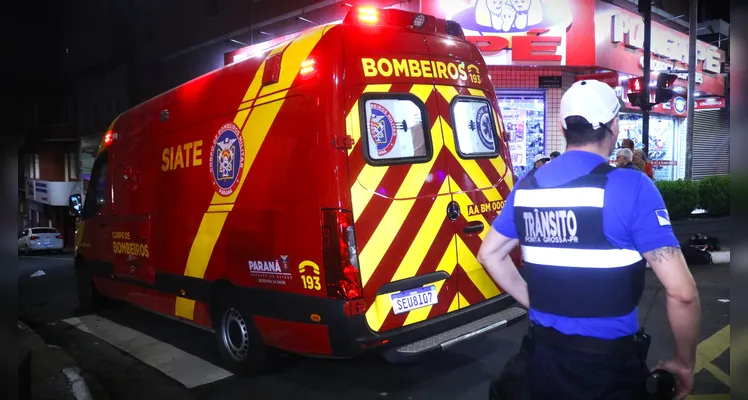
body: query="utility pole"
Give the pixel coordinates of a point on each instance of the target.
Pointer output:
(645, 9)
(691, 87)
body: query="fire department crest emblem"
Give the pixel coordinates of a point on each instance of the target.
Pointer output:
(227, 159)
(485, 131)
(382, 129)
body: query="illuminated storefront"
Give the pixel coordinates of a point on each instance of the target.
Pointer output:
(537, 49)
(523, 113)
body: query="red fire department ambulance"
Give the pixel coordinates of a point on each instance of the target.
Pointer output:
(326, 196)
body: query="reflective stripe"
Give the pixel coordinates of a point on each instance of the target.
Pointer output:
(563, 197)
(580, 258)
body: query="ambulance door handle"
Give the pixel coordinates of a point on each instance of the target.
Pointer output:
(473, 227)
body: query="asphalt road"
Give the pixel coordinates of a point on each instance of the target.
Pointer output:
(462, 373)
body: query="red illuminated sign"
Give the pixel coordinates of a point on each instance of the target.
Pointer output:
(558, 32)
(714, 102)
(531, 47)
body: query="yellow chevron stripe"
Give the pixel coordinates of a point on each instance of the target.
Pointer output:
(414, 256)
(471, 167)
(220, 207)
(422, 91)
(370, 177)
(463, 301)
(425, 237)
(396, 213)
(475, 271)
(254, 133)
(455, 305)
(377, 313)
(448, 92)
(352, 119)
(477, 92)
(447, 264)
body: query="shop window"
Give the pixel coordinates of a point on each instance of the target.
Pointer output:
(475, 128)
(662, 144)
(395, 128)
(523, 114)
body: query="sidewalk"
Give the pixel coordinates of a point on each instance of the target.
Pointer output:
(46, 372)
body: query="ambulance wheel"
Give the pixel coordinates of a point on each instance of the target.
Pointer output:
(89, 299)
(239, 341)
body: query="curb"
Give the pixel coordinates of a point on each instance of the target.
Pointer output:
(48, 371)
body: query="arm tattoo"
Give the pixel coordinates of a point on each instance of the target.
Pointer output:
(663, 253)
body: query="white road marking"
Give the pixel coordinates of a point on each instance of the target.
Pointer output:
(38, 273)
(78, 384)
(189, 370)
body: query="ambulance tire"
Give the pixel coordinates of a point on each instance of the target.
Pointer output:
(239, 342)
(89, 299)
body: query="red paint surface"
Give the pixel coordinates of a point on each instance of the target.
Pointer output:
(294, 337)
(296, 173)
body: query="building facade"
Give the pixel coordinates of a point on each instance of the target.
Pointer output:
(535, 54)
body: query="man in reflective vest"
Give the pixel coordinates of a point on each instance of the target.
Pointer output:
(587, 230)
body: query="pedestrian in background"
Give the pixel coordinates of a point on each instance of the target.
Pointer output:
(624, 159)
(554, 155)
(641, 162)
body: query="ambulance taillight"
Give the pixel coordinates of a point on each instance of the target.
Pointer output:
(308, 68)
(340, 255)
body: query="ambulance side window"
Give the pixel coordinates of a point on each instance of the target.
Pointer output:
(395, 129)
(474, 127)
(96, 193)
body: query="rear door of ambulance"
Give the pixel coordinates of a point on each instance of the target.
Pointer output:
(479, 178)
(398, 179)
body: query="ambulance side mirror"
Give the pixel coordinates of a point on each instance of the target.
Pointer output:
(74, 204)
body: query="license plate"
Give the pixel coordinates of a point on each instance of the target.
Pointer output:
(412, 299)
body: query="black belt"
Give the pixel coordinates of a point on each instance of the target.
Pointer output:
(553, 338)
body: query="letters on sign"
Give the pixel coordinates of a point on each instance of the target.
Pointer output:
(665, 43)
(529, 47)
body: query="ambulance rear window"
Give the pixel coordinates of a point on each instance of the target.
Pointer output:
(395, 128)
(475, 128)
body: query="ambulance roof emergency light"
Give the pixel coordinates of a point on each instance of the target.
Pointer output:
(368, 15)
(108, 138)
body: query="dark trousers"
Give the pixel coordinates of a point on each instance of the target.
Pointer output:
(551, 365)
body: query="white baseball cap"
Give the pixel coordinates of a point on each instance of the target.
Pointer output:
(592, 100)
(541, 157)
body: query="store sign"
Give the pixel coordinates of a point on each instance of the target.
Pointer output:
(679, 105)
(531, 47)
(713, 102)
(549, 82)
(611, 78)
(628, 29)
(658, 65)
(523, 31)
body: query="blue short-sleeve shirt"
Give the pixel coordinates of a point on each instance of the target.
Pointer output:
(634, 217)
